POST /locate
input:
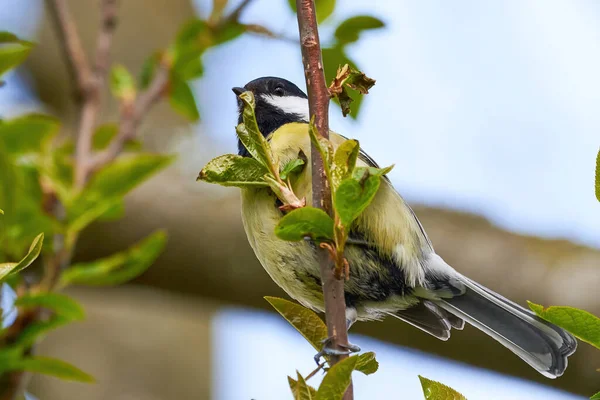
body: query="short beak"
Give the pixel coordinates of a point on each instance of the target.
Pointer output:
(238, 90)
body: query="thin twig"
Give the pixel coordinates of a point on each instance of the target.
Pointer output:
(92, 100)
(108, 24)
(235, 14)
(259, 30)
(72, 49)
(131, 118)
(314, 372)
(318, 100)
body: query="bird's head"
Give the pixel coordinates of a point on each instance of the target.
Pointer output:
(278, 102)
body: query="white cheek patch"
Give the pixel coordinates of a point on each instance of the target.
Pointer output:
(289, 105)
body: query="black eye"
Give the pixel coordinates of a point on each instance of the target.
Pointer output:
(279, 91)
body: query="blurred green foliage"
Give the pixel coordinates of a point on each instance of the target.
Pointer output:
(36, 180)
(598, 176)
(13, 51)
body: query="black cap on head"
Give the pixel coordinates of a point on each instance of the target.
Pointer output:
(270, 85)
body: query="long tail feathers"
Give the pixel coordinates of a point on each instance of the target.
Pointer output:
(541, 344)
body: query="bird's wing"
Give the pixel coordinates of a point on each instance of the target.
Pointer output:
(367, 159)
(430, 318)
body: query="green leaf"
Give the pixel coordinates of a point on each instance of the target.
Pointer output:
(118, 268)
(292, 167)
(584, 325)
(354, 194)
(36, 330)
(27, 133)
(104, 135)
(324, 8)
(250, 135)
(32, 254)
(106, 132)
(114, 212)
(189, 32)
(96, 212)
(7, 37)
(122, 84)
(9, 356)
(306, 321)
(305, 222)
(349, 30)
(437, 391)
(596, 396)
(148, 69)
(182, 99)
(300, 389)
(234, 170)
(366, 363)
(191, 42)
(61, 304)
(229, 32)
(53, 367)
(111, 184)
(598, 176)
(192, 69)
(344, 160)
(337, 379)
(13, 51)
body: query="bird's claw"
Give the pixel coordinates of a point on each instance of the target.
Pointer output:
(327, 350)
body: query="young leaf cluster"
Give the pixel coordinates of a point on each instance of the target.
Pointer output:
(262, 169)
(353, 189)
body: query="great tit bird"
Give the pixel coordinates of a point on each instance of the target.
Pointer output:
(394, 269)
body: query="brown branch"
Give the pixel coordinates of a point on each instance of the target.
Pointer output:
(72, 49)
(318, 100)
(108, 25)
(91, 98)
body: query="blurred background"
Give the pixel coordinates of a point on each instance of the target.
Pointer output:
(489, 111)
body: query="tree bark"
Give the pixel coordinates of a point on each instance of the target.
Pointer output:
(318, 104)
